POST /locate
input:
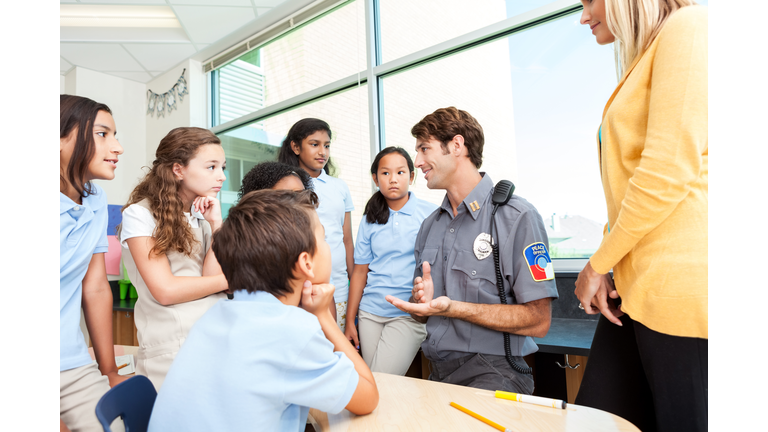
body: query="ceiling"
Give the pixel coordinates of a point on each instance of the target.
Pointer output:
(140, 39)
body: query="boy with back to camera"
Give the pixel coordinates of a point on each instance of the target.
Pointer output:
(258, 362)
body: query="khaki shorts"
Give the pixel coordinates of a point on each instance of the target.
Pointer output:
(80, 389)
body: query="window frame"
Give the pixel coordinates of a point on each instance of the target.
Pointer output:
(376, 71)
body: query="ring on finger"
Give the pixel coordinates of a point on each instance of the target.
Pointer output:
(581, 306)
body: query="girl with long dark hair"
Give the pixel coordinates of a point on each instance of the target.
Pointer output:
(89, 151)
(384, 262)
(308, 146)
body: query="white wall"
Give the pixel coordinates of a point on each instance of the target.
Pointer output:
(138, 132)
(190, 112)
(198, 92)
(126, 99)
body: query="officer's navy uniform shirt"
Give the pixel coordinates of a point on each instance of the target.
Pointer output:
(446, 242)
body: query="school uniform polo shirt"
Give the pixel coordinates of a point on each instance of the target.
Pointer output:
(388, 251)
(82, 233)
(253, 363)
(335, 201)
(462, 268)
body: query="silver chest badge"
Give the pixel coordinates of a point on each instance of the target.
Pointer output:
(482, 246)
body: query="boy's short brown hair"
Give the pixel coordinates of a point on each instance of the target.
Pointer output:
(259, 243)
(446, 123)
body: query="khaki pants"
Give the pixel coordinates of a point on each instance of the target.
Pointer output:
(79, 391)
(389, 344)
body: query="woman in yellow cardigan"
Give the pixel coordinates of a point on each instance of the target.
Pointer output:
(648, 361)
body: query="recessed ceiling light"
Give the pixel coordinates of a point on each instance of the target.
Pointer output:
(116, 16)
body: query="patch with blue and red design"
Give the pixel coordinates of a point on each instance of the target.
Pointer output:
(539, 262)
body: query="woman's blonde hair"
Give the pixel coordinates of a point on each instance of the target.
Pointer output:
(635, 24)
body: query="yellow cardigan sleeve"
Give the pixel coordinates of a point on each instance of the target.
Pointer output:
(676, 137)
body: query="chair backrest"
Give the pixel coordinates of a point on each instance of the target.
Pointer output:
(132, 400)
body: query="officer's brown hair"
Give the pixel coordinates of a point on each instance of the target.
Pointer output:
(259, 243)
(446, 123)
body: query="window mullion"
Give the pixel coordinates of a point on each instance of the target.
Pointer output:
(373, 57)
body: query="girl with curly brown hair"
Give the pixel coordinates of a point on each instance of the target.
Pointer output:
(167, 232)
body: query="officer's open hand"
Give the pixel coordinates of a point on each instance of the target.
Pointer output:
(438, 306)
(423, 289)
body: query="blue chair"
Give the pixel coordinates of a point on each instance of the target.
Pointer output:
(132, 400)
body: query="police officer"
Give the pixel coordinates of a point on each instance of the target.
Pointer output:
(455, 290)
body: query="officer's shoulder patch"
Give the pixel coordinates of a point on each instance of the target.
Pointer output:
(539, 262)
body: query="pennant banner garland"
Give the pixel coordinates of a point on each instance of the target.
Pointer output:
(166, 102)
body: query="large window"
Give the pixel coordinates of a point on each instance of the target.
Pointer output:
(326, 49)
(539, 95)
(408, 26)
(476, 81)
(527, 70)
(346, 113)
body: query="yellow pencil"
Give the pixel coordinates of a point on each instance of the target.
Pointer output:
(481, 418)
(122, 366)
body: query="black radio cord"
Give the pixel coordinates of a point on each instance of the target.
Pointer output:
(503, 297)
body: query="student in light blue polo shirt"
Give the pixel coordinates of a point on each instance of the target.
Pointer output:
(308, 146)
(89, 151)
(384, 264)
(262, 359)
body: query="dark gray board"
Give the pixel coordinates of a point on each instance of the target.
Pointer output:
(568, 336)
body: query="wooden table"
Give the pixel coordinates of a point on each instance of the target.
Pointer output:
(410, 404)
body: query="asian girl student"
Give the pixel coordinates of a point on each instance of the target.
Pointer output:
(308, 146)
(167, 234)
(89, 151)
(384, 263)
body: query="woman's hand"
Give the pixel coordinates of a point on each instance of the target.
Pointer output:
(596, 293)
(210, 208)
